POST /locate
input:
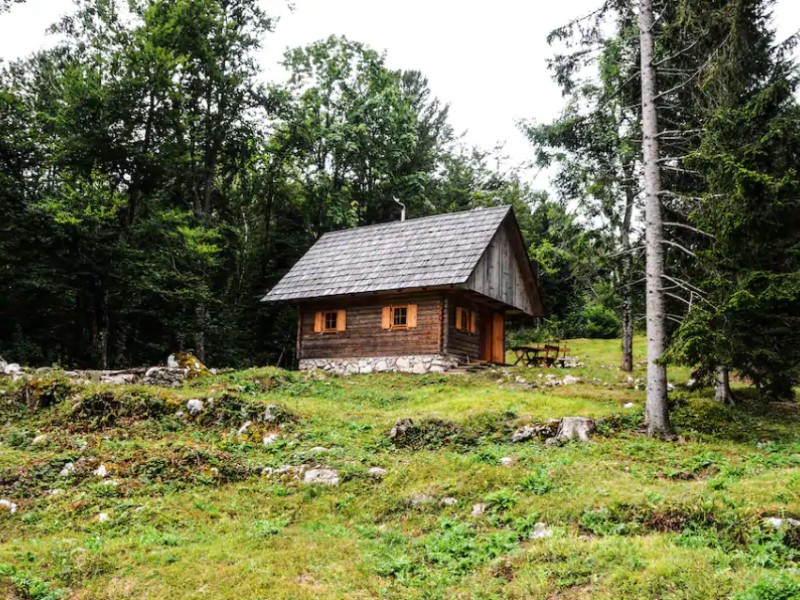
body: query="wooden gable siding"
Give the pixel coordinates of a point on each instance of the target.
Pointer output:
(498, 274)
(462, 343)
(364, 336)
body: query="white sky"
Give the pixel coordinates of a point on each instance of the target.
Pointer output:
(485, 59)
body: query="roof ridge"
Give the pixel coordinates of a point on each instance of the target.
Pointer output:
(417, 219)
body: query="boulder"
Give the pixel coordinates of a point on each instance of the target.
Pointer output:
(478, 509)
(575, 428)
(12, 369)
(68, 470)
(778, 522)
(377, 472)
(401, 428)
(554, 442)
(540, 530)
(271, 439)
(195, 406)
(322, 477)
(420, 499)
(570, 380)
(530, 431)
(100, 471)
(39, 440)
(164, 376)
(448, 501)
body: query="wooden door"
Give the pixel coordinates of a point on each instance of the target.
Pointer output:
(493, 348)
(499, 337)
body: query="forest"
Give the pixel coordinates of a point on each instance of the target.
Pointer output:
(153, 189)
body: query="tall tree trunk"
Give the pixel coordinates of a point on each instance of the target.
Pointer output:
(201, 313)
(627, 271)
(656, 409)
(722, 393)
(627, 331)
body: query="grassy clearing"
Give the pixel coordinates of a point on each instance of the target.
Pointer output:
(191, 516)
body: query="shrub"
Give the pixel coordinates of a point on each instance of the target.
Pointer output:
(781, 587)
(537, 482)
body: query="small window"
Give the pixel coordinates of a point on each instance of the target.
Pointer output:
(403, 316)
(399, 316)
(464, 320)
(330, 320)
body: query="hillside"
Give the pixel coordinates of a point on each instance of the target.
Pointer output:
(160, 503)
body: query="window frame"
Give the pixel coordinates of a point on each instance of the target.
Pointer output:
(392, 313)
(325, 328)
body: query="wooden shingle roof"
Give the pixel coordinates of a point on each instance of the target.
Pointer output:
(426, 252)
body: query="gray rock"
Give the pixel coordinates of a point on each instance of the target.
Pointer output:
(420, 499)
(8, 506)
(448, 501)
(165, 376)
(271, 439)
(195, 406)
(12, 369)
(39, 440)
(554, 442)
(523, 434)
(478, 509)
(377, 471)
(540, 530)
(401, 427)
(506, 461)
(570, 380)
(321, 477)
(629, 405)
(100, 471)
(778, 522)
(68, 470)
(102, 517)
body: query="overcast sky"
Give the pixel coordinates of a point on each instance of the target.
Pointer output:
(485, 59)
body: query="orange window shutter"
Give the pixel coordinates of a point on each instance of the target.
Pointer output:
(318, 322)
(411, 319)
(459, 310)
(341, 320)
(472, 327)
(386, 317)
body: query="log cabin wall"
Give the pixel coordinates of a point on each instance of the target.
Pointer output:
(364, 336)
(459, 342)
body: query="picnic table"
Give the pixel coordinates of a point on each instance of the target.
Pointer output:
(548, 354)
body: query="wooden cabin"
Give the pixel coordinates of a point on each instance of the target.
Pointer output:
(421, 295)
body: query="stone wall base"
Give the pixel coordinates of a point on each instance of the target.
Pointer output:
(416, 363)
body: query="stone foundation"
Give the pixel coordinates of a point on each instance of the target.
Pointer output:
(418, 363)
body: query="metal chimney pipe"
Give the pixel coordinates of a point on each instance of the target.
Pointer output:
(403, 211)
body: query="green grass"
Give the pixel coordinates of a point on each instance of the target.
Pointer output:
(192, 516)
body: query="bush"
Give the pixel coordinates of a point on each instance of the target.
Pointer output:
(781, 587)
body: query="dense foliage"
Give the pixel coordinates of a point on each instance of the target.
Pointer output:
(153, 190)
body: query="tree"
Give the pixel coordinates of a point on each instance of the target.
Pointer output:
(593, 146)
(656, 410)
